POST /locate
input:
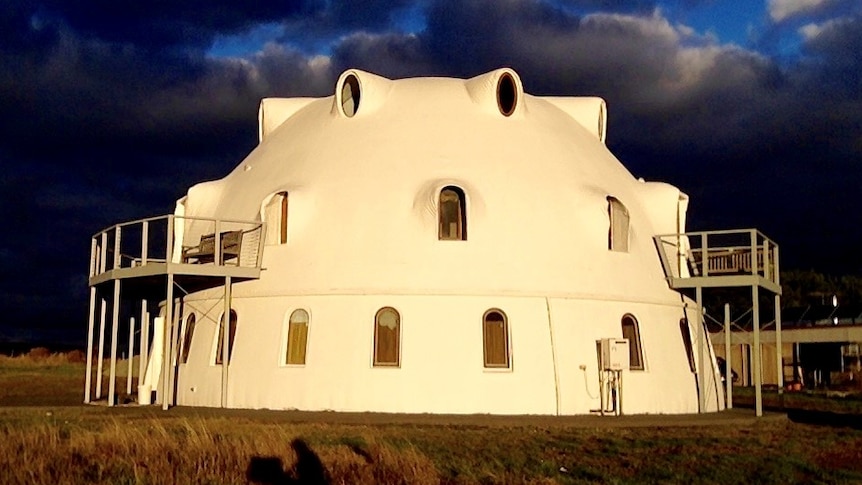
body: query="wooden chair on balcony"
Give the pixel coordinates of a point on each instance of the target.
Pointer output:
(204, 252)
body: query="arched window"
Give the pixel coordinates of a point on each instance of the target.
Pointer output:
(632, 333)
(495, 335)
(618, 232)
(275, 215)
(452, 214)
(686, 341)
(297, 337)
(188, 332)
(387, 337)
(219, 357)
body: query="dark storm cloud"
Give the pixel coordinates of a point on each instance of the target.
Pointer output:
(101, 122)
(162, 23)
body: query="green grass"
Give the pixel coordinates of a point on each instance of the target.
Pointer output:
(48, 441)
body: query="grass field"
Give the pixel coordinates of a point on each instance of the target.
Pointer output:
(46, 436)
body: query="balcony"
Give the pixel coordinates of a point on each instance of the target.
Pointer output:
(198, 251)
(742, 257)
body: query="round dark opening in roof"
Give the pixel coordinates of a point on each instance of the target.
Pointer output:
(507, 94)
(350, 95)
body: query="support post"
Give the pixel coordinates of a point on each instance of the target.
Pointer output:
(145, 242)
(145, 341)
(728, 371)
(88, 379)
(779, 357)
(701, 355)
(131, 355)
(776, 277)
(115, 327)
(225, 356)
(101, 355)
(166, 350)
(174, 351)
(756, 365)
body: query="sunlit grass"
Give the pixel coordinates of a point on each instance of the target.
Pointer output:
(48, 442)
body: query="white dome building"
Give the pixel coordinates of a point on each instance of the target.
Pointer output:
(432, 245)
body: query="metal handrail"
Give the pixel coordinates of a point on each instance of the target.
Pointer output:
(110, 250)
(701, 254)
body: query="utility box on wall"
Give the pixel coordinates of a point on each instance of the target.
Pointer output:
(614, 354)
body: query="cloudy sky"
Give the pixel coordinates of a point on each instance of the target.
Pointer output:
(110, 110)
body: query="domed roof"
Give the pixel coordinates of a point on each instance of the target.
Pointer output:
(364, 170)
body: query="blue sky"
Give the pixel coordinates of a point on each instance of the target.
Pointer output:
(111, 110)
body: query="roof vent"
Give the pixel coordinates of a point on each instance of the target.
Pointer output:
(498, 92)
(350, 95)
(358, 90)
(507, 94)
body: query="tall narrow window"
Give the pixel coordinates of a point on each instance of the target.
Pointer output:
(297, 337)
(219, 357)
(452, 215)
(686, 341)
(632, 333)
(387, 337)
(275, 215)
(188, 332)
(495, 334)
(618, 232)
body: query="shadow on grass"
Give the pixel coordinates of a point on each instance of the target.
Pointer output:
(308, 469)
(825, 418)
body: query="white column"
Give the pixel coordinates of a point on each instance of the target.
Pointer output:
(115, 327)
(101, 349)
(166, 360)
(225, 360)
(131, 354)
(701, 355)
(728, 352)
(756, 365)
(88, 379)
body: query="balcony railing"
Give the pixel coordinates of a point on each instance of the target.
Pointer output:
(177, 240)
(743, 252)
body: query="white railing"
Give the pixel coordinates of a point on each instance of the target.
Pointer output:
(718, 253)
(177, 239)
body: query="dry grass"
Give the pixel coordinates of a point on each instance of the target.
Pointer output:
(130, 445)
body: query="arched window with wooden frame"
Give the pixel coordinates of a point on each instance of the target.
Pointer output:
(275, 216)
(618, 225)
(686, 342)
(219, 357)
(297, 337)
(188, 333)
(631, 331)
(452, 214)
(387, 338)
(495, 339)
